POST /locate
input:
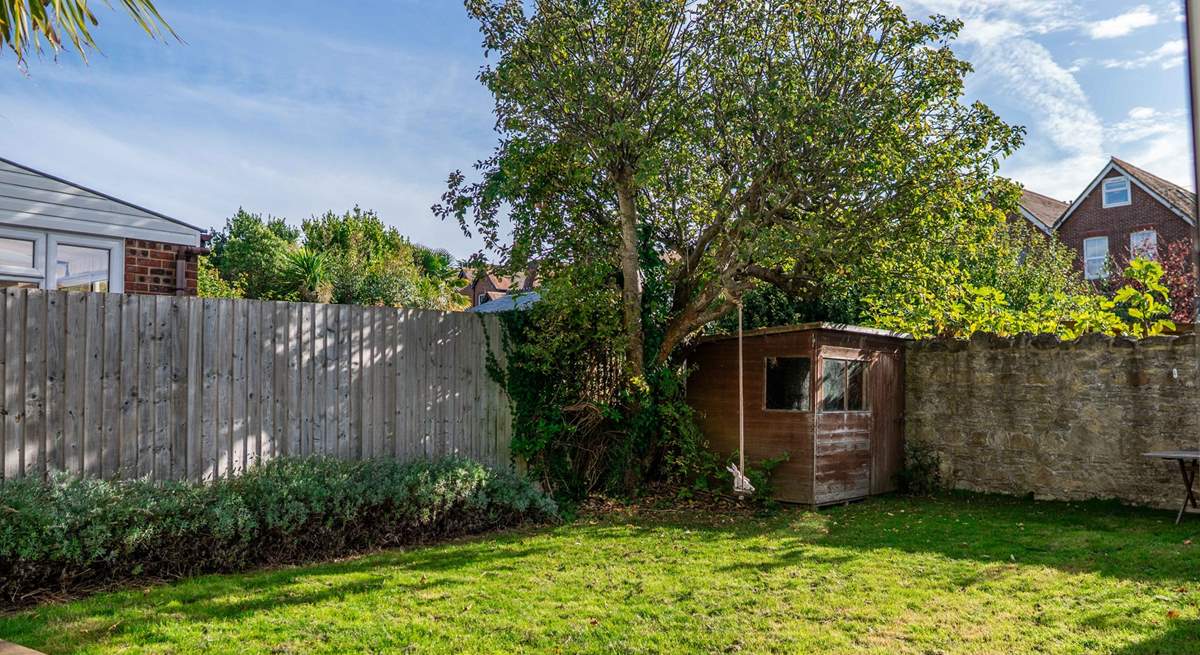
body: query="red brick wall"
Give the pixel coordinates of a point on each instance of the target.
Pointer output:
(1091, 219)
(150, 267)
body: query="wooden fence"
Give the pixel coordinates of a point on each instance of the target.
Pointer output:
(171, 388)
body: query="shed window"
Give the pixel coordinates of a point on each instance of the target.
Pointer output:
(1116, 192)
(843, 385)
(788, 383)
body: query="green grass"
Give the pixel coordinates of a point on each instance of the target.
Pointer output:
(960, 574)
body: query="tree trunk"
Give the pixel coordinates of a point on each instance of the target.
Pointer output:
(631, 291)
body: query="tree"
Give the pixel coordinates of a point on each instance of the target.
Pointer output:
(307, 274)
(65, 23)
(251, 252)
(371, 263)
(1009, 260)
(210, 284)
(348, 258)
(699, 149)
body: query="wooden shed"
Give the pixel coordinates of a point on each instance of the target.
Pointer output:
(830, 396)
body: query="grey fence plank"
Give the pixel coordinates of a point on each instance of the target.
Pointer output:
(75, 382)
(210, 350)
(193, 387)
(237, 388)
(35, 382)
(56, 344)
(93, 392)
(110, 382)
(145, 376)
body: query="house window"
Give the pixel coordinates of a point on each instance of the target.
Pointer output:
(481, 298)
(78, 263)
(843, 385)
(788, 383)
(1095, 258)
(1116, 192)
(1144, 244)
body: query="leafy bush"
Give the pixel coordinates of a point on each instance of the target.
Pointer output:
(70, 531)
(922, 472)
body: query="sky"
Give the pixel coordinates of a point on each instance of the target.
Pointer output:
(291, 113)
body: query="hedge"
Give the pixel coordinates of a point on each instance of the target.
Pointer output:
(70, 532)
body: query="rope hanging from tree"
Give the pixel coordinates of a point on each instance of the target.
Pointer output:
(741, 484)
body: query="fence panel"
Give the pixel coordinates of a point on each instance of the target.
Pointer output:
(123, 386)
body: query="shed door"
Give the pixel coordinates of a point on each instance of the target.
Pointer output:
(886, 388)
(842, 453)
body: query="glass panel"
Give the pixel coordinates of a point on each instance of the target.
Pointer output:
(856, 375)
(1116, 192)
(16, 252)
(18, 284)
(81, 269)
(1095, 247)
(1143, 244)
(833, 386)
(787, 383)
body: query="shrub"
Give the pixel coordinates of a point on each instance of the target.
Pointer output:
(68, 532)
(922, 472)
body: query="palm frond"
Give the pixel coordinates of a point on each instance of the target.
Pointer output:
(25, 24)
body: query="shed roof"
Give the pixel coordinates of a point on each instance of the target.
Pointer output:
(33, 199)
(808, 327)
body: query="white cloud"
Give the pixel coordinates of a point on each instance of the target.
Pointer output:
(280, 122)
(1169, 55)
(1134, 19)
(1067, 141)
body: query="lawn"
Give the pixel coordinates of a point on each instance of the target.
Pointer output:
(958, 574)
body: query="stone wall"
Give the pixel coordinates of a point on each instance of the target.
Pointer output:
(1059, 420)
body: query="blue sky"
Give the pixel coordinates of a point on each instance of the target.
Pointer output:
(316, 109)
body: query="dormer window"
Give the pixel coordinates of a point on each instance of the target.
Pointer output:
(1116, 192)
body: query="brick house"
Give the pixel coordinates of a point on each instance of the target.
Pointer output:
(1125, 211)
(486, 287)
(56, 234)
